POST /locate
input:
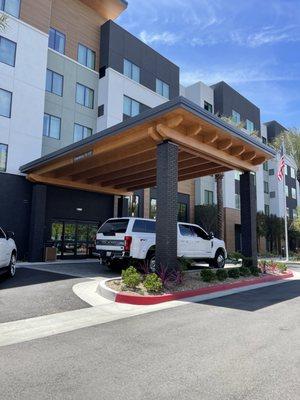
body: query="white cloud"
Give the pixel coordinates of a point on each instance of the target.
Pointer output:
(267, 35)
(166, 37)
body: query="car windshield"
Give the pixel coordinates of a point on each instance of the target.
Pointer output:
(113, 226)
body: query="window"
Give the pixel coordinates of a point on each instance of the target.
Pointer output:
(267, 209)
(264, 140)
(236, 118)
(266, 187)
(153, 208)
(131, 108)
(131, 70)
(182, 212)
(81, 132)
(5, 103)
(208, 197)
(199, 232)
(86, 56)
(294, 195)
(3, 157)
(265, 166)
(11, 7)
(249, 126)
(133, 205)
(237, 199)
(54, 82)
(144, 226)
(186, 230)
(113, 226)
(208, 106)
(271, 171)
(51, 126)
(162, 88)
(7, 51)
(286, 190)
(293, 173)
(84, 96)
(272, 195)
(57, 40)
(286, 170)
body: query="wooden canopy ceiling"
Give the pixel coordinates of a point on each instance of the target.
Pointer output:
(109, 9)
(123, 158)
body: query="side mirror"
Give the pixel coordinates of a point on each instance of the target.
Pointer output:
(10, 235)
(211, 235)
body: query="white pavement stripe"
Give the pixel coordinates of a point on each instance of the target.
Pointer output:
(48, 325)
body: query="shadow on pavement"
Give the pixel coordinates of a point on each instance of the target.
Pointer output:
(257, 299)
(25, 277)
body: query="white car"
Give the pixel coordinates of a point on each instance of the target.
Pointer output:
(124, 239)
(8, 253)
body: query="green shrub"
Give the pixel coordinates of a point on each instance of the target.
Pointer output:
(131, 278)
(244, 271)
(184, 264)
(247, 262)
(255, 271)
(281, 267)
(234, 273)
(235, 256)
(153, 283)
(207, 275)
(221, 274)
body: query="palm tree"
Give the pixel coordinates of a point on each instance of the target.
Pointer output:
(291, 140)
(3, 22)
(220, 206)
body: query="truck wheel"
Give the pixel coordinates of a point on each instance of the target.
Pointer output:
(151, 262)
(218, 261)
(12, 266)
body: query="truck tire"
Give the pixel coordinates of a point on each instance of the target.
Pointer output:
(150, 258)
(219, 260)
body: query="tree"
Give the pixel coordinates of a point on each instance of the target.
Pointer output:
(291, 140)
(206, 217)
(3, 22)
(220, 206)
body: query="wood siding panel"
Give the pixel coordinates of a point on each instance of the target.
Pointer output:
(36, 13)
(188, 187)
(79, 23)
(232, 218)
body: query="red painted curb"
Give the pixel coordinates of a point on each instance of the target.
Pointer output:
(138, 299)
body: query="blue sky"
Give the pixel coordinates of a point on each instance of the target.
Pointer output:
(253, 45)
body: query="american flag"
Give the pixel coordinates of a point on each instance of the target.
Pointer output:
(281, 166)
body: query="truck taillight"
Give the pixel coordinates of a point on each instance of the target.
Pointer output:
(127, 243)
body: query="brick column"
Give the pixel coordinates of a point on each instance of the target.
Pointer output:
(167, 207)
(37, 223)
(248, 216)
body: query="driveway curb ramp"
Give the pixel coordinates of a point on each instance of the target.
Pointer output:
(138, 299)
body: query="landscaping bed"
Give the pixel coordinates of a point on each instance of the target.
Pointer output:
(137, 288)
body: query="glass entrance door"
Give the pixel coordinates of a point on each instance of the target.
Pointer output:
(73, 239)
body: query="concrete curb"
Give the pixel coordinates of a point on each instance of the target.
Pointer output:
(137, 299)
(105, 291)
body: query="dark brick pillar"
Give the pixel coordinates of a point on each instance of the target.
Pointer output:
(248, 216)
(167, 208)
(122, 207)
(37, 223)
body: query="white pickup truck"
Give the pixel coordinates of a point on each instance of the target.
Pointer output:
(120, 240)
(8, 253)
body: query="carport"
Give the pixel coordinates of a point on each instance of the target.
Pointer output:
(173, 142)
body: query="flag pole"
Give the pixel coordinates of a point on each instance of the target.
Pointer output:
(285, 212)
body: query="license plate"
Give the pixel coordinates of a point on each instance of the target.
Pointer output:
(108, 253)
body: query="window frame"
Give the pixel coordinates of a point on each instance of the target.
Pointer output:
(49, 136)
(294, 193)
(83, 127)
(62, 85)
(86, 89)
(234, 114)
(131, 108)
(131, 68)
(55, 34)
(6, 156)
(87, 49)
(266, 187)
(4, 10)
(249, 121)
(208, 195)
(163, 86)
(15, 50)
(208, 105)
(10, 108)
(267, 209)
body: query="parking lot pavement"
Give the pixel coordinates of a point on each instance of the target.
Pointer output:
(215, 350)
